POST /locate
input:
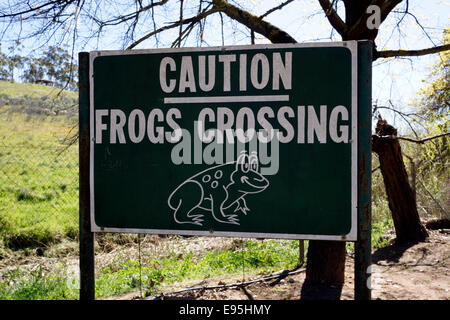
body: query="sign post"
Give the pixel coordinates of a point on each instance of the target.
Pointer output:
(87, 278)
(245, 141)
(363, 253)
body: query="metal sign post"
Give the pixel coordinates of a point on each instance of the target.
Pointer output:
(87, 277)
(363, 253)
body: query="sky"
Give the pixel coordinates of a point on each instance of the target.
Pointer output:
(396, 82)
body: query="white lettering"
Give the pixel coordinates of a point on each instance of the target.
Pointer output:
(282, 71)
(343, 129)
(175, 136)
(159, 138)
(319, 127)
(118, 120)
(267, 127)
(187, 79)
(243, 72)
(166, 61)
(225, 126)
(301, 124)
(99, 125)
(208, 136)
(245, 136)
(286, 124)
(226, 60)
(259, 59)
(202, 73)
(132, 125)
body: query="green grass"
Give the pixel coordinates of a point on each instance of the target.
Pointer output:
(122, 276)
(378, 231)
(36, 285)
(32, 90)
(255, 257)
(125, 276)
(38, 179)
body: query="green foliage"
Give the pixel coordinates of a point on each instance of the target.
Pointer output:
(379, 238)
(35, 285)
(38, 173)
(253, 257)
(428, 162)
(54, 67)
(381, 214)
(435, 97)
(4, 73)
(124, 276)
(434, 109)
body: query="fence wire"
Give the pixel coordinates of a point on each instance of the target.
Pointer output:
(38, 173)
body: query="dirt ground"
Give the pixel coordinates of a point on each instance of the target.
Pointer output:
(414, 272)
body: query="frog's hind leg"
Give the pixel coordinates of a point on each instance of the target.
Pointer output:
(184, 201)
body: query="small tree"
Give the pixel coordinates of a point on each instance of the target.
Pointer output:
(34, 70)
(54, 67)
(4, 72)
(15, 60)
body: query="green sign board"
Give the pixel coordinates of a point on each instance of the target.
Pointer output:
(251, 141)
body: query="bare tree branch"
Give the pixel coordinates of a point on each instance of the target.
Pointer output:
(181, 23)
(422, 141)
(133, 15)
(402, 114)
(410, 53)
(334, 19)
(271, 32)
(435, 200)
(46, 7)
(275, 9)
(197, 18)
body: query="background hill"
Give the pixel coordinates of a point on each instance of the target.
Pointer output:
(38, 165)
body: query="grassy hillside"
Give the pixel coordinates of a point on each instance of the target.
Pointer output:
(32, 90)
(38, 169)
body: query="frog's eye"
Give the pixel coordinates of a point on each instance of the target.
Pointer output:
(241, 160)
(254, 163)
(245, 164)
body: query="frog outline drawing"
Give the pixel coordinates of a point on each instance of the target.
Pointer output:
(218, 190)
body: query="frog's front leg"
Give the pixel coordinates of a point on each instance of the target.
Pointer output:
(217, 208)
(242, 205)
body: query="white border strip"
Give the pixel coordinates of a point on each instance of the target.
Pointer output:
(351, 236)
(228, 99)
(92, 56)
(353, 46)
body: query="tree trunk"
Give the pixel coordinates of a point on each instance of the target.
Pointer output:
(326, 259)
(325, 264)
(402, 204)
(325, 271)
